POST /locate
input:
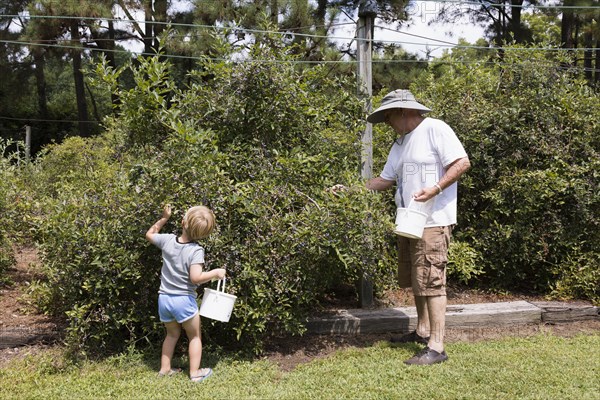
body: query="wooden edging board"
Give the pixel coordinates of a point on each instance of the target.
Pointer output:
(404, 319)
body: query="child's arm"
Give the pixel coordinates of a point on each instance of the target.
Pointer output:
(154, 229)
(198, 277)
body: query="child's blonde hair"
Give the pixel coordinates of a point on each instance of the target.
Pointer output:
(198, 222)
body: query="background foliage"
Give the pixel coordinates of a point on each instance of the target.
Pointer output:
(7, 179)
(530, 204)
(259, 142)
(261, 156)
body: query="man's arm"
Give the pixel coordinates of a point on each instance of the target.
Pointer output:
(379, 184)
(453, 173)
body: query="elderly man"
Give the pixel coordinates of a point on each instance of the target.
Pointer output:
(425, 162)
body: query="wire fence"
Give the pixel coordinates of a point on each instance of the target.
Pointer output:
(91, 44)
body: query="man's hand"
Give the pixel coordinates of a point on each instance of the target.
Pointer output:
(426, 193)
(337, 188)
(453, 172)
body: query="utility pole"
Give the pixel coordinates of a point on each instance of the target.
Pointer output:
(367, 11)
(27, 143)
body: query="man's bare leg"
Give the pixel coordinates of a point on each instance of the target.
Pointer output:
(436, 306)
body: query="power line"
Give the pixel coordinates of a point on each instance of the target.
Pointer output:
(443, 43)
(173, 24)
(285, 33)
(415, 35)
(62, 46)
(398, 42)
(316, 62)
(490, 4)
(46, 120)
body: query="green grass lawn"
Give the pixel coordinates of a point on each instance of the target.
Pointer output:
(540, 367)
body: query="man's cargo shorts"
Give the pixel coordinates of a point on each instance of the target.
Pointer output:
(422, 262)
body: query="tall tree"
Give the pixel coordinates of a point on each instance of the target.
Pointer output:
(17, 70)
(68, 22)
(155, 12)
(506, 22)
(568, 26)
(40, 78)
(580, 29)
(155, 19)
(82, 109)
(502, 18)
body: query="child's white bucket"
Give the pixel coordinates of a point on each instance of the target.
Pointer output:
(410, 222)
(217, 304)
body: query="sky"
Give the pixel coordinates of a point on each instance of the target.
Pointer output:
(422, 14)
(417, 36)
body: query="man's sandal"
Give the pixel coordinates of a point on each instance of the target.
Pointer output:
(199, 378)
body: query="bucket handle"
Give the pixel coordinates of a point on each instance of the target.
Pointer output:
(411, 202)
(219, 285)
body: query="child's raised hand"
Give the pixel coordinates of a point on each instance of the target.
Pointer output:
(166, 211)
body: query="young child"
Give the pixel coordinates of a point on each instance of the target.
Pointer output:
(182, 271)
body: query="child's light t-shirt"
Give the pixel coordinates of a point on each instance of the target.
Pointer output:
(177, 259)
(417, 161)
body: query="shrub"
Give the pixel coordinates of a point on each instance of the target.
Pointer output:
(261, 156)
(91, 245)
(464, 262)
(9, 173)
(578, 277)
(7, 260)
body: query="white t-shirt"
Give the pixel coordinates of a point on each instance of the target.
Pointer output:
(417, 161)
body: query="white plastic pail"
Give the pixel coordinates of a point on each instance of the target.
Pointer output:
(410, 222)
(217, 304)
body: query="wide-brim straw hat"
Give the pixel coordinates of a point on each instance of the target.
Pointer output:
(400, 98)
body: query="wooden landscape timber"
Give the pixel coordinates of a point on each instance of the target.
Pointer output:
(483, 315)
(556, 311)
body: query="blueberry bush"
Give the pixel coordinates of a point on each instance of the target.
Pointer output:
(259, 143)
(8, 172)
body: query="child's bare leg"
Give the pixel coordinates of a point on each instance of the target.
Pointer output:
(168, 347)
(192, 330)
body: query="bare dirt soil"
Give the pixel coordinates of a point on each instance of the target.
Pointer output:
(25, 331)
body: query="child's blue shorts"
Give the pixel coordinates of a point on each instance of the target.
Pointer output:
(178, 308)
